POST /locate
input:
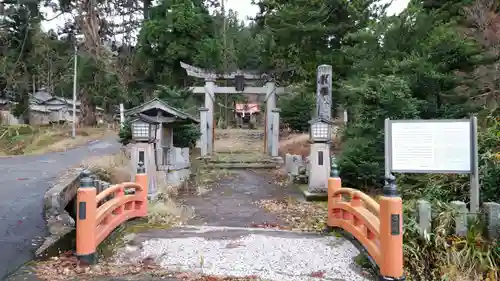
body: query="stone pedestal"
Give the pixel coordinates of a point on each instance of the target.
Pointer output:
(145, 153)
(319, 161)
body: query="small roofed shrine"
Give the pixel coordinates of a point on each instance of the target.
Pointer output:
(153, 123)
(246, 114)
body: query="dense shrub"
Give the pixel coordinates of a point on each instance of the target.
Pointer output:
(125, 133)
(371, 99)
(297, 109)
(186, 135)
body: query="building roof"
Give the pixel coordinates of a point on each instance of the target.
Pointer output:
(150, 109)
(249, 108)
(42, 95)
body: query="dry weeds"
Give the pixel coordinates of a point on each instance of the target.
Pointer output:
(62, 141)
(239, 140)
(295, 144)
(113, 168)
(33, 140)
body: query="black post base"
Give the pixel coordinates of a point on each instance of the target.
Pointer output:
(328, 229)
(384, 278)
(89, 259)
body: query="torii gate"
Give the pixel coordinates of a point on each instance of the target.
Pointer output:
(271, 132)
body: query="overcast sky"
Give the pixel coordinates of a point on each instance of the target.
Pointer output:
(244, 8)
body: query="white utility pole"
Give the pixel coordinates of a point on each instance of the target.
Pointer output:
(74, 89)
(122, 115)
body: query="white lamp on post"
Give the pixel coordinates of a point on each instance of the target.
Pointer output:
(143, 131)
(321, 130)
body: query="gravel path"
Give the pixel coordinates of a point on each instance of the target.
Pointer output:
(222, 239)
(231, 251)
(24, 182)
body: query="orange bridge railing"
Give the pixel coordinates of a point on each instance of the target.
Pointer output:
(377, 226)
(97, 218)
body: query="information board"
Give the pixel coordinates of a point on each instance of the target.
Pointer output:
(430, 146)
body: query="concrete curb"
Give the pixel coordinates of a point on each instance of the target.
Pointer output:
(59, 221)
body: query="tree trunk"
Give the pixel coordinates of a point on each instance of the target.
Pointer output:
(87, 110)
(146, 9)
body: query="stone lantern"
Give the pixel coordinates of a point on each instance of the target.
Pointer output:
(320, 137)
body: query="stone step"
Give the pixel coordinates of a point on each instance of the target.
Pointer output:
(243, 166)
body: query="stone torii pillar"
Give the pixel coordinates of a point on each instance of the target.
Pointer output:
(270, 106)
(203, 131)
(209, 105)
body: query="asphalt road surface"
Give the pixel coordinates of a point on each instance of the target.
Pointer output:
(23, 182)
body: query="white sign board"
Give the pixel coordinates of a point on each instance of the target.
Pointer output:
(430, 146)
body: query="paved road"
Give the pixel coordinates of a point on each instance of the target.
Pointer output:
(23, 182)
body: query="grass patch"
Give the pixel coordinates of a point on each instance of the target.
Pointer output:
(238, 141)
(239, 157)
(26, 139)
(303, 187)
(362, 260)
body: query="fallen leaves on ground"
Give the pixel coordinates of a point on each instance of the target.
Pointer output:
(269, 225)
(318, 274)
(277, 177)
(300, 215)
(68, 266)
(186, 276)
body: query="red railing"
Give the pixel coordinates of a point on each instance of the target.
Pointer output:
(96, 221)
(377, 226)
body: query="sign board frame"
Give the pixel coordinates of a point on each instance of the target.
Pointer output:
(473, 148)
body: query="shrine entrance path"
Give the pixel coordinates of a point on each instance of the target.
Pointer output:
(231, 234)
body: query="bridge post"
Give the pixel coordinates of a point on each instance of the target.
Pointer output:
(86, 219)
(391, 232)
(141, 178)
(334, 184)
